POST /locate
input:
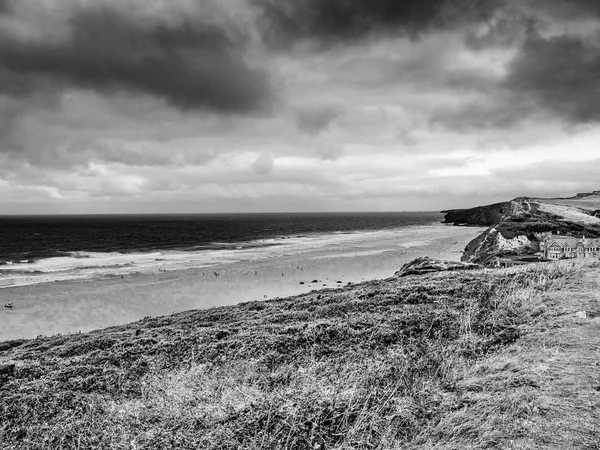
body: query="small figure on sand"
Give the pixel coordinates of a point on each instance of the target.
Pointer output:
(8, 305)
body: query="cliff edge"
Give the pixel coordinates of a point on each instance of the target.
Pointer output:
(517, 227)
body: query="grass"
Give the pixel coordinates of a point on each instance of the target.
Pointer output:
(590, 203)
(417, 362)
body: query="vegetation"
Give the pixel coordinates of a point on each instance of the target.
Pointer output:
(411, 362)
(522, 218)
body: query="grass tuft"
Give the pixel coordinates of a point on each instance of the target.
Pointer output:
(418, 361)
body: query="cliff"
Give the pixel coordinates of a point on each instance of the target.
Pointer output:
(517, 227)
(478, 216)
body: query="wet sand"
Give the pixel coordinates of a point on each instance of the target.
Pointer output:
(83, 305)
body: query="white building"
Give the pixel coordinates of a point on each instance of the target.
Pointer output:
(561, 247)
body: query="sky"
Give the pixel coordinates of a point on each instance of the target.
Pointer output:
(198, 106)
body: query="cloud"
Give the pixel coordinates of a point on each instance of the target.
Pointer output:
(436, 61)
(137, 154)
(329, 152)
(263, 165)
(5, 6)
(558, 171)
(505, 28)
(501, 110)
(191, 62)
(381, 104)
(339, 21)
(560, 74)
(551, 75)
(315, 120)
(559, 9)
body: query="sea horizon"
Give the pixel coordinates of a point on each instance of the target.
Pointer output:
(57, 248)
(433, 211)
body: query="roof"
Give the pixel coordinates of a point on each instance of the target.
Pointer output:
(569, 241)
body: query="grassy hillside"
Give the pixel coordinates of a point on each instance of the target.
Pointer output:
(587, 201)
(402, 362)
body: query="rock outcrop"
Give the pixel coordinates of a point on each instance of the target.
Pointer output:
(478, 216)
(421, 266)
(517, 227)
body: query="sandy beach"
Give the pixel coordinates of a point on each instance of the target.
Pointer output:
(73, 306)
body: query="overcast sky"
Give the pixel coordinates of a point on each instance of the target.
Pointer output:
(114, 106)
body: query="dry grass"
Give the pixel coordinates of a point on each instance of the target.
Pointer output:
(541, 391)
(569, 213)
(443, 361)
(590, 203)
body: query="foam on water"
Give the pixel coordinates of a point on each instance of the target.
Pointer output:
(86, 265)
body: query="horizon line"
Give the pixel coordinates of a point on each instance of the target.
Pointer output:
(213, 213)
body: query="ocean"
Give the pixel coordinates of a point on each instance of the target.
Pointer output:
(35, 249)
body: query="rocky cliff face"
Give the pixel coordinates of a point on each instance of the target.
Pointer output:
(492, 243)
(516, 227)
(478, 216)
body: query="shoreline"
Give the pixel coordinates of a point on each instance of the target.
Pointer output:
(84, 265)
(87, 304)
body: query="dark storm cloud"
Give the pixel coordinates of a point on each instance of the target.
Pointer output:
(561, 74)
(560, 9)
(551, 74)
(333, 21)
(430, 68)
(192, 65)
(506, 28)
(510, 21)
(5, 6)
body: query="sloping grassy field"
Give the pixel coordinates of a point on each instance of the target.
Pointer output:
(591, 202)
(458, 360)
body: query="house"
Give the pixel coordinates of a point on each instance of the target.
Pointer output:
(512, 261)
(566, 247)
